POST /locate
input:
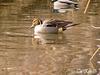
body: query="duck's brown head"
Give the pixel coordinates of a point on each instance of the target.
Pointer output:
(36, 21)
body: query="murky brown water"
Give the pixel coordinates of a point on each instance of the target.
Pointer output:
(64, 54)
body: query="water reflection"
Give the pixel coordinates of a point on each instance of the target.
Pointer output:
(50, 38)
(6, 1)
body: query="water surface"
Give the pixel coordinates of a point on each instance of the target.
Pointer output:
(59, 54)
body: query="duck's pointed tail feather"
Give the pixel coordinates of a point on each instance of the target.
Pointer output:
(70, 25)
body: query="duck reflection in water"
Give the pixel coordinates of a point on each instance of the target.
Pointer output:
(49, 38)
(62, 6)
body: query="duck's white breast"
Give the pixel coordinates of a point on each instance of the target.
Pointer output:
(44, 29)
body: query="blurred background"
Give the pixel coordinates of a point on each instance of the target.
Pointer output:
(21, 53)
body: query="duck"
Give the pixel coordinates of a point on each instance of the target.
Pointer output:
(50, 25)
(64, 5)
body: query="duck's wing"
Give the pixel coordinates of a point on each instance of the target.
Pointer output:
(60, 23)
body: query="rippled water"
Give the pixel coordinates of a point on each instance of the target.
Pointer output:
(69, 53)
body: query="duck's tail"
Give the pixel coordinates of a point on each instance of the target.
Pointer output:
(70, 25)
(95, 27)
